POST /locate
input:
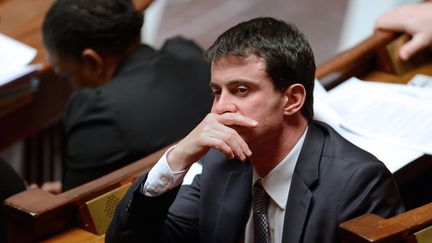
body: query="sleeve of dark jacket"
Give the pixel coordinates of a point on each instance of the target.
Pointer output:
(164, 218)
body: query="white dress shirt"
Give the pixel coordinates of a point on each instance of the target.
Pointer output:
(161, 179)
(276, 183)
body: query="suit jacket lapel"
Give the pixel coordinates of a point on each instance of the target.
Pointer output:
(234, 206)
(305, 175)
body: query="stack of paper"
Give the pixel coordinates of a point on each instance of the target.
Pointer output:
(14, 58)
(391, 121)
(16, 76)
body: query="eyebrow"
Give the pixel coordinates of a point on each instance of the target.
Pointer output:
(235, 82)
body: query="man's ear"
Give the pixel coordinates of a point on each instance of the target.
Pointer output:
(93, 66)
(295, 96)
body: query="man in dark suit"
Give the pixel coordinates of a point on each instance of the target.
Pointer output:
(270, 173)
(129, 94)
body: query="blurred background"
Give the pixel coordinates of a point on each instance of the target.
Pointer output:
(329, 25)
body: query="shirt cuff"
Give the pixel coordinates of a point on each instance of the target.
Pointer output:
(161, 179)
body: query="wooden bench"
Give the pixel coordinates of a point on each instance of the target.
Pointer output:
(36, 215)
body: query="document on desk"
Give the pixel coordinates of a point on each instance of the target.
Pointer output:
(14, 58)
(339, 105)
(393, 113)
(421, 80)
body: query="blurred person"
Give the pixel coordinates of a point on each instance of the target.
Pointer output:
(131, 99)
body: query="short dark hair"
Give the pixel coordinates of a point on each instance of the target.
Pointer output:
(288, 55)
(70, 26)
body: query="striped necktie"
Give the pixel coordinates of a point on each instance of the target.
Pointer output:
(260, 201)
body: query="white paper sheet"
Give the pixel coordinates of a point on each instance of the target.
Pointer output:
(332, 107)
(392, 113)
(14, 57)
(421, 80)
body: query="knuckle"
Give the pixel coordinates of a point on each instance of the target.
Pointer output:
(219, 144)
(230, 135)
(209, 117)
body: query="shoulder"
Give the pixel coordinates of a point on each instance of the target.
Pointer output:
(337, 147)
(183, 48)
(352, 175)
(82, 97)
(175, 59)
(341, 156)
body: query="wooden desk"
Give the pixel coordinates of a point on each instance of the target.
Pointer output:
(361, 61)
(22, 19)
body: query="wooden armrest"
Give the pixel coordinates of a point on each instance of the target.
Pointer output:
(36, 214)
(400, 228)
(356, 61)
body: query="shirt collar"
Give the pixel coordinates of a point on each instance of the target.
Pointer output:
(276, 182)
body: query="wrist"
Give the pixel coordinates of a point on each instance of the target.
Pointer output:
(175, 161)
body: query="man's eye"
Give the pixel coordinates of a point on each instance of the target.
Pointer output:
(215, 92)
(242, 90)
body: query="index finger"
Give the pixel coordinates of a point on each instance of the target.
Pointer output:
(230, 119)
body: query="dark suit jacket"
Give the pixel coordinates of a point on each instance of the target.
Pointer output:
(333, 181)
(133, 115)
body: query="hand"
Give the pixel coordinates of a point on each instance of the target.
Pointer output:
(54, 187)
(213, 132)
(413, 19)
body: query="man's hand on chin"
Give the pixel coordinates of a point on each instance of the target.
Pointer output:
(217, 131)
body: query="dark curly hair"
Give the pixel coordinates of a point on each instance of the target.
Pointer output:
(70, 26)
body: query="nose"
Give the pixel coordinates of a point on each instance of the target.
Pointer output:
(224, 103)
